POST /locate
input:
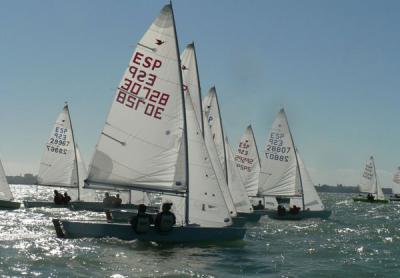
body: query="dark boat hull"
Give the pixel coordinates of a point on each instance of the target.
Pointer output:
(322, 214)
(365, 200)
(250, 217)
(182, 234)
(8, 205)
(45, 204)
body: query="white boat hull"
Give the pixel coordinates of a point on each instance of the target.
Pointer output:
(181, 234)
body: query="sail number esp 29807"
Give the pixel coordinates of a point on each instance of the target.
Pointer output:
(136, 89)
(275, 150)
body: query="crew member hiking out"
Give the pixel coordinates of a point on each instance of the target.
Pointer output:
(141, 223)
(165, 220)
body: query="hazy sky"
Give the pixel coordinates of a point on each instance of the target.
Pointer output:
(333, 65)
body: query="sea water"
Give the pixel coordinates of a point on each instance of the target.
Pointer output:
(358, 240)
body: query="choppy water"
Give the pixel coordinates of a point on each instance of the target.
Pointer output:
(359, 240)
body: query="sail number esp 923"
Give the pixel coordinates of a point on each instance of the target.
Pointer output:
(136, 89)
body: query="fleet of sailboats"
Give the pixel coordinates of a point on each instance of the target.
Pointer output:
(161, 137)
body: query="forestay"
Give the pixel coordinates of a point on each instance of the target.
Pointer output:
(140, 142)
(369, 181)
(396, 180)
(235, 183)
(58, 165)
(248, 161)
(5, 192)
(207, 206)
(214, 122)
(279, 174)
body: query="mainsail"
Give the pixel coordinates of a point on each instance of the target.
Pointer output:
(191, 81)
(5, 192)
(369, 180)
(207, 205)
(213, 140)
(58, 164)
(279, 175)
(214, 122)
(235, 183)
(396, 180)
(141, 140)
(248, 161)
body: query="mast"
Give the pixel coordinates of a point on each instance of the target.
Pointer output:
(184, 121)
(199, 87)
(76, 160)
(376, 177)
(297, 161)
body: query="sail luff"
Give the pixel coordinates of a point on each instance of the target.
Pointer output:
(185, 137)
(76, 160)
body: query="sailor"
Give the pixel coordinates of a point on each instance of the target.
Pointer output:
(66, 198)
(294, 210)
(141, 223)
(165, 219)
(259, 206)
(370, 197)
(281, 210)
(107, 201)
(117, 201)
(58, 198)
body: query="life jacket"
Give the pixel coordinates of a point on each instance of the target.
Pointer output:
(167, 221)
(142, 224)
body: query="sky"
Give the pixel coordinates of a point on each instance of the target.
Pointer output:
(333, 65)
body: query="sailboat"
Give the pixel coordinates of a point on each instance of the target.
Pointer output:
(232, 186)
(62, 166)
(369, 184)
(284, 176)
(237, 189)
(152, 141)
(396, 186)
(6, 196)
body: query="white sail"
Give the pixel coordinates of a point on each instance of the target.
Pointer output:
(219, 170)
(214, 122)
(58, 165)
(141, 140)
(235, 183)
(279, 170)
(207, 205)
(369, 181)
(5, 192)
(191, 82)
(312, 200)
(139, 197)
(396, 180)
(248, 161)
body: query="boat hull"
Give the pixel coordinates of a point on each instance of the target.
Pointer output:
(6, 205)
(46, 204)
(365, 200)
(97, 206)
(183, 234)
(250, 217)
(322, 214)
(393, 199)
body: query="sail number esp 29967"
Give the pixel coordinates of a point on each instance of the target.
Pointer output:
(136, 89)
(58, 142)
